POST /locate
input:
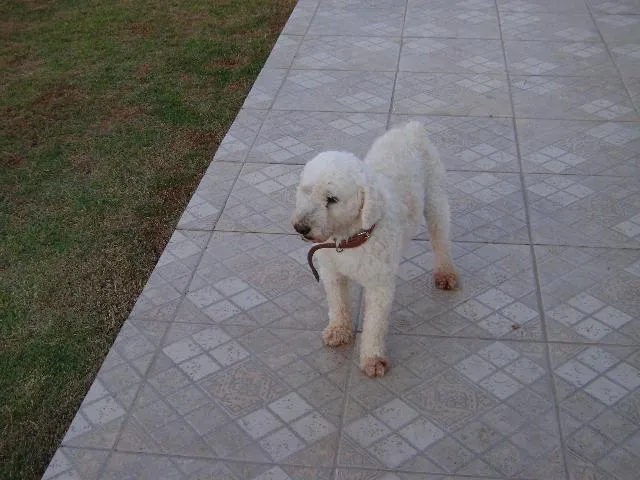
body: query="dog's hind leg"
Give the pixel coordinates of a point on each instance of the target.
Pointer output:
(339, 330)
(377, 306)
(437, 215)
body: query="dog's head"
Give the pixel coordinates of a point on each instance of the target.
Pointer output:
(336, 198)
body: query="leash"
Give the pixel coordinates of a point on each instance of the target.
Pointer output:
(352, 242)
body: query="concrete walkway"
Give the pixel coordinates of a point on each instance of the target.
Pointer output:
(531, 371)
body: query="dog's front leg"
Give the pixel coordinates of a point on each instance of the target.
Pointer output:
(339, 330)
(377, 306)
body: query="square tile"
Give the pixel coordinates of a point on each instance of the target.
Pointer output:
(614, 7)
(467, 19)
(240, 136)
(357, 20)
(262, 411)
(496, 299)
(542, 6)
(633, 87)
(102, 412)
(627, 56)
(590, 295)
(346, 52)
(579, 98)
(585, 148)
(272, 270)
(599, 416)
(301, 17)
(296, 137)
(618, 28)
(262, 198)
(486, 207)
(336, 91)
(142, 465)
(265, 88)
(548, 26)
(470, 143)
(206, 204)
(365, 3)
(448, 408)
(452, 94)
(170, 277)
(75, 463)
(283, 51)
(596, 211)
(451, 55)
(372, 474)
(559, 58)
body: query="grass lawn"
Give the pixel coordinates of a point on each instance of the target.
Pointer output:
(109, 113)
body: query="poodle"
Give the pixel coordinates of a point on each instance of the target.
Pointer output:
(340, 198)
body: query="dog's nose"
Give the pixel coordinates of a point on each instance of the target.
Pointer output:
(302, 228)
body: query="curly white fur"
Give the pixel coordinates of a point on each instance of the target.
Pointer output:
(400, 180)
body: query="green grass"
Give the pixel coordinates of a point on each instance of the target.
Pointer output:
(109, 113)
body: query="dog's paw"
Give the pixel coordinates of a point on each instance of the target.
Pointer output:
(335, 335)
(374, 366)
(445, 279)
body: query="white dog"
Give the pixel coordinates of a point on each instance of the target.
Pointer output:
(340, 196)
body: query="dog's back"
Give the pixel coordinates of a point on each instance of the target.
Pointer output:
(406, 158)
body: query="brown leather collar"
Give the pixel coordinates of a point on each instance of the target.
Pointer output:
(352, 242)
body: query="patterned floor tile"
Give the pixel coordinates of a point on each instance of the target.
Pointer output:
(373, 474)
(455, 406)
(599, 394)
(365, 3)
(614, 7)
(348, 53)
(590, 294)
(548, 26)
(451, 94)
(579, 98)
(596, 211)
(237, 392)
(451, 55)
(101, 415)
(633, 87)
(301, 17)
(627, 56)
(296, 137)
(337, 91)
(497, 298)
(262, 199)
(543, 6)
(236, 143)
(587, 148)
(139, 465)
(257, 279)
(554, 58)
(265, 88)
(283, 51)
(463, 19)
(169, 279)
(207, 202)
(358, 20)
(486, 207)
(470, 143)
(76, 463)
(618, 28)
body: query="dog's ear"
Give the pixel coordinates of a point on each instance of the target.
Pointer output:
(372, 205)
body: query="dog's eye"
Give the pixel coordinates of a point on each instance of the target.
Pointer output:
(331, 200)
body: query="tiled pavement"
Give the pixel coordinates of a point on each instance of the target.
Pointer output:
(530, 371)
